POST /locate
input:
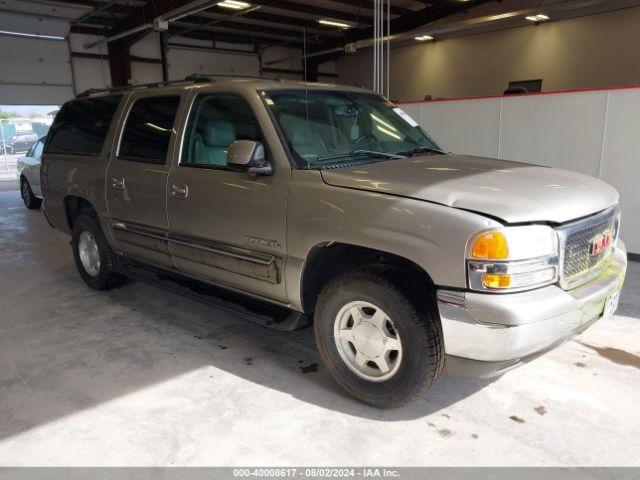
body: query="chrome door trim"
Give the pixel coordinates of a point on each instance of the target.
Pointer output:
(259, 258)
(224, 249)
(139, 229)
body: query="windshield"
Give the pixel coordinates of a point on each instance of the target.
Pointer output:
(329, 127)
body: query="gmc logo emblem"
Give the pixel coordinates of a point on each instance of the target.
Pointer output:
(600, 243)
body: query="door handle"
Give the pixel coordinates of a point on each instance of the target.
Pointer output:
(179, 190)
(117, 183)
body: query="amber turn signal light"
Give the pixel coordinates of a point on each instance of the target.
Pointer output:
(496, 280)
(490, 245)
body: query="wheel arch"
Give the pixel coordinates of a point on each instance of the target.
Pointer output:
(75, 205)
(327, 260)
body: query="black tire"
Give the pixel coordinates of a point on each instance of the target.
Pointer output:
(419, 329)
(106, 277)
(30, 200)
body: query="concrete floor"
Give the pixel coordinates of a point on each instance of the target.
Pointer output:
(139, 376)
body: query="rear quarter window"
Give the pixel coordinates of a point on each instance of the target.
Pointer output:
(81, 126)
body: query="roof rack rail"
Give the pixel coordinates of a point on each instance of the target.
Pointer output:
(194, 78)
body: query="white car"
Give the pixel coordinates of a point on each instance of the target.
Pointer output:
(29, 172)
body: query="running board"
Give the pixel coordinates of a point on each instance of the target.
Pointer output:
(239, 305)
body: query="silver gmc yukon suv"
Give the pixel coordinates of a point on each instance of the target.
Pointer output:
(332, 202)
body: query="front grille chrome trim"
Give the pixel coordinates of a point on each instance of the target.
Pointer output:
(607, 218)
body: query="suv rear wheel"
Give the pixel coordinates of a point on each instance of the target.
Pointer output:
(378, 344)
(30, 200)
(94, 258)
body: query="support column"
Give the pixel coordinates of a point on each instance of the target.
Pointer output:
(119, 62)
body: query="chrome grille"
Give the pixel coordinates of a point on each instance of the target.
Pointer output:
(578, 265)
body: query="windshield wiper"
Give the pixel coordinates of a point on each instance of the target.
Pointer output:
(356, 153)
(419, 150)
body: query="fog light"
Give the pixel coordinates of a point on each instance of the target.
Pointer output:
(496, 280)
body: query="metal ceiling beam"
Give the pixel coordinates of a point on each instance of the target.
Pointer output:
(318, 12)
(232, 22)
(312, 26)
(221, 19)
(237, 28)
(88, 29)
(186, 46)
(118, 36)
(89, 15)
(182, 11)
(67, 4)
(220, 36)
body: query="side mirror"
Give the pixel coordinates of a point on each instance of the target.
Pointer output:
(248, 156)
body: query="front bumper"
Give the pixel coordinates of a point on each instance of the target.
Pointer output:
(488, 334)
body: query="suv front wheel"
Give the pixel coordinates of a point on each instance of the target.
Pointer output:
(94, 258)
(376, 342)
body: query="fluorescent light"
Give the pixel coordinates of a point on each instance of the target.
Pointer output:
(537, 18)
(31, 35)
(333, 23)
(233, 4)
(391, 134)
(379, 120)
(423, 38)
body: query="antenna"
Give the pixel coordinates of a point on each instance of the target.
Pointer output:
(304, 72)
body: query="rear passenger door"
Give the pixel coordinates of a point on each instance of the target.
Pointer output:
(136, 178)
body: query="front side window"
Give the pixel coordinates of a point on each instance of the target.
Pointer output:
(216, 121)
(148, 129)
(31, 152)
(328, 127)
(81, 126)
(37, 151)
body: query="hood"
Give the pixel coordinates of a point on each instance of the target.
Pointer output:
(511, 191)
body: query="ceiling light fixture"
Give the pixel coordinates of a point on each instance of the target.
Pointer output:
(537, 18)
(424, 38)
(233, 4)
(333, 23)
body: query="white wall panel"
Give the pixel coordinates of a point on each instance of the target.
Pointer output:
(91, 73)
(561, 130)
(463, 127)
(142, 72)
(621, 159)
(26, 24)
(414, 110)
(187, 62)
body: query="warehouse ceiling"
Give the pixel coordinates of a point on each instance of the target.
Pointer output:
(261, 23)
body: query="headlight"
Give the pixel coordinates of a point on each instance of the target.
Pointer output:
(513, 258)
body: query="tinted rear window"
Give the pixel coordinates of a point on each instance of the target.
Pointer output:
(148, 130)
(81, 126)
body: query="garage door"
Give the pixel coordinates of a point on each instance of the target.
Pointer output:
(33, 70)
